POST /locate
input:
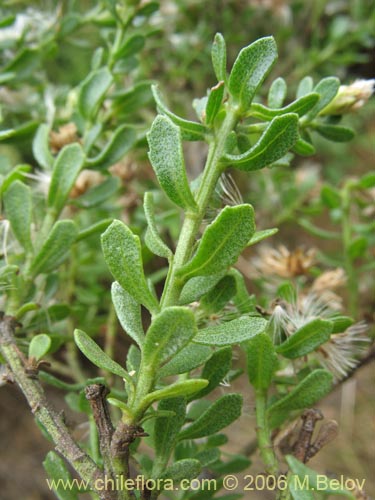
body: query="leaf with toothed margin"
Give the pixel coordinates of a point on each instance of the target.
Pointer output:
(278, 138)
(167, 159)
(250, 69)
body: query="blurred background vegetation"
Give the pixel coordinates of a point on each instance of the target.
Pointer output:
(318, 38)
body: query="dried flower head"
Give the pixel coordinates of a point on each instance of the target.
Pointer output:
(349, 98)
(341, 353)
(283, 262)
(66, 134)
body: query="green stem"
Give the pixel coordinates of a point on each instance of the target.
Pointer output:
(347, 239)
(263, 434)
(193, 220)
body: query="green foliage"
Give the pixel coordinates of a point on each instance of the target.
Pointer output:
(18, 207)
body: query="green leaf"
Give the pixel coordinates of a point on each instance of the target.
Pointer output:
(220, 295)
(167, 159)
(17, 173)
(57, 470)
(341, 323)
(93, 91)
(250, 69)
(306, 339)
(305, 86)
(98, 194)
(55, 249)
(219, 57)
(184, 388)
(215, 370)
(313, 481)
(39, 346)
(330, 196)
(122, 253)
(41, 150)
(130, 46)
(185, 469)
(95, 354)
(262, 361)
(128, 312)
(191, 131)
(65, 172)
(214, 102)
(189, 358)
(122, 140)
(301, 106)
(152, 237)
(277, 93)
(208, 457)
(170, 331)
(222, 242)
(166, 429)
(358, 247)
(307, 393)
(18, 208)
(236, 464)
(280, 135)
(133, 359)
(335, 133)
(195, 288)
(220, 414)
(261, 235)
(304, 148)
(231, 332)
(327, 88)
(367, 181)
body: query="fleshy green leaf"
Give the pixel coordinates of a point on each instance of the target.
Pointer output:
(304, 148)
(301, 106)
(189, 358)
(170, 331)
(330, 196)
(305, 86)
(219, 57)
(250, 69)
(65, 172)
(95, 354)
(41, 150)
(335, 133)
(231, 332)
(262, 235)
(93, 91)
(184, 388)
(308, 392)
(313, 481)
(167, 159)
(327, 88)
(220, 295)
(191, 131)
(195, 288)
(215, 370)
(122, 140)
(222, 242)
(55, 248)
(261, 361)
(185, 469)
(122, 253)
(277, 93)
(152, 237)
(220, 414)
(306, 339)
(39, 346)
(130, 46)
(214, 101)
(18, 208)
(167, 428)
(128, 311)
(98, 194)
(358, 247)
(58, 471)
(280, 135)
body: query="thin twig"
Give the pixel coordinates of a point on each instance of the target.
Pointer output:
(44, 413)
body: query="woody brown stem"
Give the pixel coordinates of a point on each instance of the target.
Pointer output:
(45, 413)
